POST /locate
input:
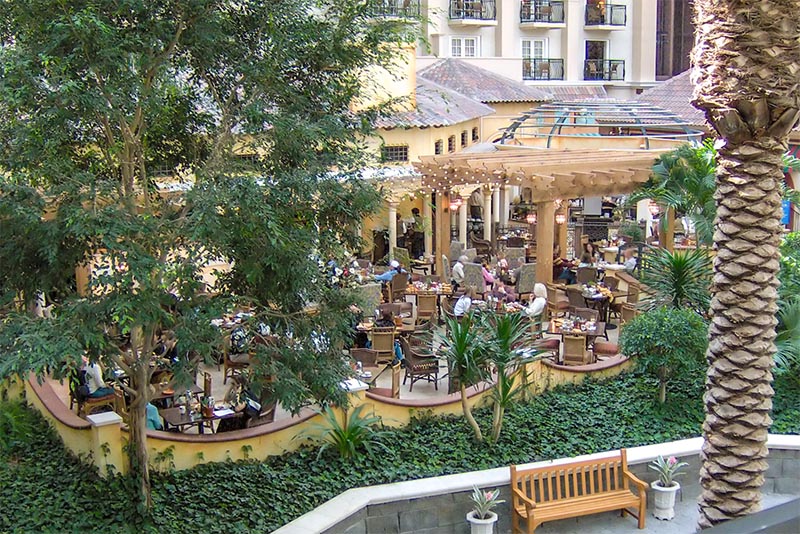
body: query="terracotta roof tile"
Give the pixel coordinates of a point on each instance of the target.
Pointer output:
(480, 84)
(675, 95)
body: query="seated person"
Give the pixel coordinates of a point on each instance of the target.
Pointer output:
(630, 260)
(154, 421)
(239, 346)
(464, 302)
(458, 272)
(394, 268)
(562, 269)
(589, 256)
(94, 380)
(539, 302)
(487, 276)
(241, 400)
(502, 293)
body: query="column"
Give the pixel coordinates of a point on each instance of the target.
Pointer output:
(643, 213)
(427, 219)
(442, 234)
(563, 228)
(496, 204)
(545, 217)
(462, 222)
(643, 25)
(504, 200)
(392, 227)
(487, 214)
(107, 445)
(667, 240)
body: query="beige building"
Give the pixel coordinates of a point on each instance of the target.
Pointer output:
(546, 42)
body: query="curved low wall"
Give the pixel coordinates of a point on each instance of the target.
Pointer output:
(440, 503)
(184, 451)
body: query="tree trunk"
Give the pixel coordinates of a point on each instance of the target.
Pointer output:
(746, 61)
(468, 413)
(497, 424)
(137, 450)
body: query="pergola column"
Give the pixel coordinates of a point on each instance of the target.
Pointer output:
(462, 222)
(562, 229)
(442, 233)
(504, 193)
(487, 214)
(667, 241)
(392, 227)
(427, 224)
(496, 205)
(545, 219)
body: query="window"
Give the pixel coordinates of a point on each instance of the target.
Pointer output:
(475, 136)
(464, 46)
(438, 147)
(391, 153)
(534, 48)
(451, 143)
(464, 138)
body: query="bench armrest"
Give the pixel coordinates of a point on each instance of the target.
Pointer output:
(529, 503)
(636, 480)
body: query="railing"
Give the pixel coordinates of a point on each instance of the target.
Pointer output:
(476, 10)
(542, 68)
(541, 11)
(606, 15)
(604, 69)
(395, 8)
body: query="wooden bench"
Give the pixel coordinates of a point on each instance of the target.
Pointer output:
(575, 489)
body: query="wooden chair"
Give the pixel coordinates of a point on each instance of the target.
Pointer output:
(232, 367)
(383, 343)
(611, 282)
(575, 352)
(633, 294)
(526, 280)
(426, 307)
(556, 303)
(447, 274)
(87, 405)
(420, 365)
(576, 300)
(473, 276)
(121, 405)
(587, 314)
(398, 286)
(628, 312)
(394, 391)
(586, 275)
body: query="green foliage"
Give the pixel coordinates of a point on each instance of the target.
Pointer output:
(789, 275)
(632, 231)
(666, 342)
(349, 436)
(680, 279)
(577, 419)
(787, 340)
(16, 428)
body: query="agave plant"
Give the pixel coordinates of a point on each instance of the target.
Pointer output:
(349, 436)
(680, 279)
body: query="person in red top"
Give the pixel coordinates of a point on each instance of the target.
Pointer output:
(561, 267)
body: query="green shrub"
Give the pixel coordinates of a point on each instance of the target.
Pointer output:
(666, 342)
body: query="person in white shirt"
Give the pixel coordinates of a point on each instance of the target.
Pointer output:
(539, 302)
(630, 260)
(94, 380)
(458, 271)
(464, 302)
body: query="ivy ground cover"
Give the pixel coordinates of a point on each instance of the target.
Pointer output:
(43, 489)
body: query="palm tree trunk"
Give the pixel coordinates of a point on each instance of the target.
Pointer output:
(746, 60)
(468, 413)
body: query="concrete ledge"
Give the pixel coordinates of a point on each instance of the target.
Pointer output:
(428, 403)
(608, 363)
(356, 500)
(61, 412)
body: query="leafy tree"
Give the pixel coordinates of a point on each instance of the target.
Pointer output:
(750, 99)
(666, 343)
(98, 98)
(677, 279)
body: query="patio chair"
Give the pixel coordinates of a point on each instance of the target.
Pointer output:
(575, 352)
(447, 275)
(628, 312)
(587, 314)
(232, 363)
(86, 405)
(426, 307)
(526, 280)
(394, 391)
(557, 304)
(586, 275)
(399, 286)
(575, 298)
(611, 282)
(383, 343)
(420, 365)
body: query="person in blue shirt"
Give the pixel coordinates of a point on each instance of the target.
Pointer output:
(388, 275)
(154, 421)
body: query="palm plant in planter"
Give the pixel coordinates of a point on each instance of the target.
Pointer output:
(481, 517)
(666, 486)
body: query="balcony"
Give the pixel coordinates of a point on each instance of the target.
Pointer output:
(541, 14)
(609, 70)
(473, 13)
(542, 69)
(395, 8)
(606, 17)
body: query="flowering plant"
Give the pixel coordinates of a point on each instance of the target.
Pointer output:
(667, 470)
(484, 502)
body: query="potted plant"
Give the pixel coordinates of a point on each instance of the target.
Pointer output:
(665, 487)
(481, 517)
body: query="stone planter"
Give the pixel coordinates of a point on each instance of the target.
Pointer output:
(664, 499)
(481, 526)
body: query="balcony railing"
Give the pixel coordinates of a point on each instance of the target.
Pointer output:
(606, 15)
(395, 8)
(543, 11)
(473, 10)
(604, 69)
(534, 68)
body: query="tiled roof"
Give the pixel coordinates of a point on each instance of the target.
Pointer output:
(480, 84)
(675, 95)
(575, 92)
(436, 106)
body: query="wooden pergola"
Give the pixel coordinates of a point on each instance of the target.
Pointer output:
(551, 175)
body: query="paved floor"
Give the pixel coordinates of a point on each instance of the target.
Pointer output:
(685, 521)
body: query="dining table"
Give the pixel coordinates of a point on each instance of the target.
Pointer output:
(182, 420)
(599, 330)
(403, 329)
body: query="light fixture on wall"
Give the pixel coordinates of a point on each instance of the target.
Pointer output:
(531, 217)
(456, 202)
(561, 218)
